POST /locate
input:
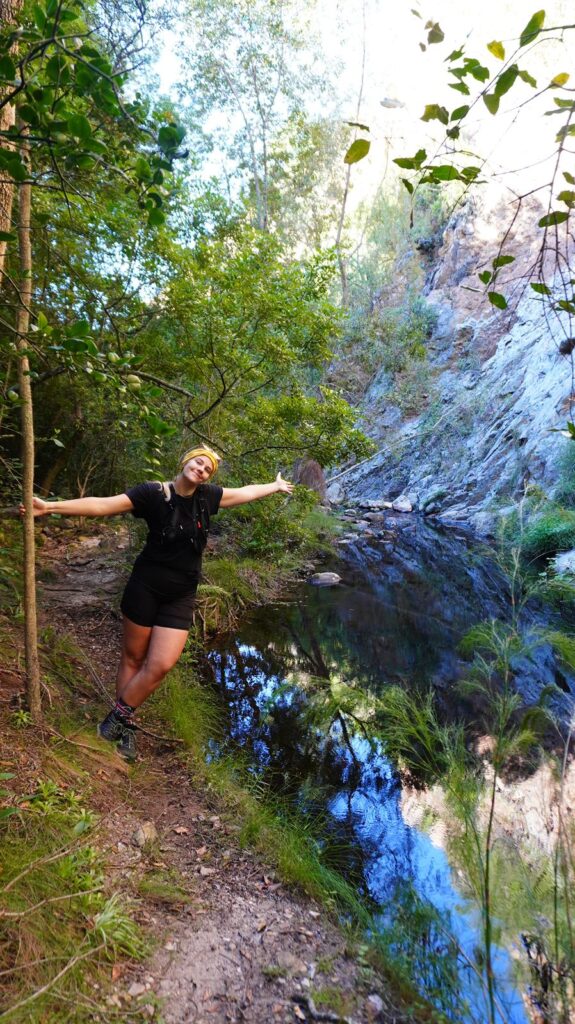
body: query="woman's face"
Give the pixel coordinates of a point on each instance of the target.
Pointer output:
(198, 469)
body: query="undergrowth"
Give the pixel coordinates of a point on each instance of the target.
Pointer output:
(60, 927)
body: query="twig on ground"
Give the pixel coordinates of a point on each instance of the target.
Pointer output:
(12, 914)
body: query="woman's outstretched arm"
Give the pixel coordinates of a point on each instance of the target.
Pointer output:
(111, 506)
(241, 495)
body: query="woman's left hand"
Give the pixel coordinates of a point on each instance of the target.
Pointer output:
(283, 485)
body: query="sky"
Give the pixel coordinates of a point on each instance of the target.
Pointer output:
(518, 140)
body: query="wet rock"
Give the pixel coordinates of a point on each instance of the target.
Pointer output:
(325, 579)
(375, 517)
(402, 504)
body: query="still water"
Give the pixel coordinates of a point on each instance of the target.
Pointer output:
(397, 617)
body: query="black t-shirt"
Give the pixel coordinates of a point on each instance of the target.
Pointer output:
(179, 554)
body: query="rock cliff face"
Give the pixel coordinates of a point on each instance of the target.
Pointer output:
(497, 386)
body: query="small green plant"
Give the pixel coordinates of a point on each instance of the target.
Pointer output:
(21, 719)
(273, 971)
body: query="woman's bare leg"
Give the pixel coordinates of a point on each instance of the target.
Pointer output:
(155, 655)
(135, 643)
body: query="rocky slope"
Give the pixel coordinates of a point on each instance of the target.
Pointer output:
(497, 385)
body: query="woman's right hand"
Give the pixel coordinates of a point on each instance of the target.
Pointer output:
(39, 508)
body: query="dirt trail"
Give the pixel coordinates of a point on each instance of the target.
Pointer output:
(234, 943)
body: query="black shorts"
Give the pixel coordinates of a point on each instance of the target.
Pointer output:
(147, 604)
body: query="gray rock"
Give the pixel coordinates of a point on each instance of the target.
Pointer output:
(402, 504)
(325, 579)
(136, 989)
(146, 833)
(564, 563)
(335, 493)
(374, 1006)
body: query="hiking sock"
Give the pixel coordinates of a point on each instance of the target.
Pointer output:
(124, 711)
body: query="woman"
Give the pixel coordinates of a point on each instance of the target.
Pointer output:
(157, 603)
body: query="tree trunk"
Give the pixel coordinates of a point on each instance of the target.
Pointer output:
(8, 11)
(341, 258)
(27, 422)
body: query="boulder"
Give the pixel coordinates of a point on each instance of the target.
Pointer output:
(402, 504)
(335, 493)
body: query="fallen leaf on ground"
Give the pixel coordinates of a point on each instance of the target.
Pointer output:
(181, 830)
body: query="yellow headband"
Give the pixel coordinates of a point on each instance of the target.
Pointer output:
(202, 450)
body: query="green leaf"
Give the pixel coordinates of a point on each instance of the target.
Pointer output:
(470, 173)
(491, 102)
(408, 185)
(16, 168)
(75, 344)
(80, 328)
(497, 49)
(41, 321)
(540, 288)
(406, 162)
(568, 198)
(357, 151)
(502, 261)
(55, 68)
(460, 87)
(8, 236)
(433, 112)
(7, 812)
(460, 112)
(28, 113)
(58, 442)
(80, 127)
(142, 169)
(567, 305)
(485, 276)
(532, 28)
(528, 79)
(506, 80)
(39, 17)
(445, 172)
(569, 177)
(435, 34)
(7, 69)
(156, 218)
(560, 79)
(498, 300)
(557, 217)
(479, 72)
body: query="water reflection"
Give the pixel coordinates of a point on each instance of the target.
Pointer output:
(287, 677)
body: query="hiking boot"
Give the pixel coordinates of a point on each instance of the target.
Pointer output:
(112, 728)
(127, 745)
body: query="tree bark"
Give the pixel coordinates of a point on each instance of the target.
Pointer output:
(27, 425)
(8, 11)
